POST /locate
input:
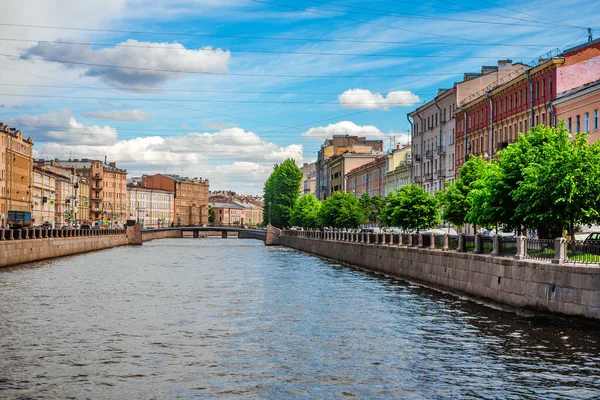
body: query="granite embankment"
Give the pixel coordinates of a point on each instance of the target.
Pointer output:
(565, 289)
(24, 246)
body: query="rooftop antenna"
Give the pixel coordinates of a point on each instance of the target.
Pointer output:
(590, 36)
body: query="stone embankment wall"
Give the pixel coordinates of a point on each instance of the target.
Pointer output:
(526, 284)
(160, 234)
(24, 246)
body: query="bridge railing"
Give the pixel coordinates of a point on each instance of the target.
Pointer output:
(521, 247)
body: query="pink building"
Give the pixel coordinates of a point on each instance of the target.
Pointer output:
(369, 178)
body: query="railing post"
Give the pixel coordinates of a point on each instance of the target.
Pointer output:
(410, 239)
(477, 249)
(362, 237)
(560, 251)
(496, 243)
(383, 239)
(446, 245)
(521, 248)
(376, 238)
(420, 240)
(432, 241)
(461, 242)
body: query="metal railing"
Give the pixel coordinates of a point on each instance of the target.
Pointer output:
(539, 249)
(439, 241)
(469, 243)
(426, 240)
(429, 153)
(441, 149)
(486, 244)
(583, 253)
(453, 242)
(508, 245)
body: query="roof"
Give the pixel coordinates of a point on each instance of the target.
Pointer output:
(84, 164)
(226, 205)
(581, 46)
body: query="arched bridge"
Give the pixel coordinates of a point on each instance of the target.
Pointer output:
(243, 233)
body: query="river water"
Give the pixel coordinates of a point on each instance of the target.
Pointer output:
(229, 318)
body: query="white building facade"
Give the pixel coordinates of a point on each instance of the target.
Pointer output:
(150, 207)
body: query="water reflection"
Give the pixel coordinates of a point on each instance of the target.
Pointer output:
(232, 318)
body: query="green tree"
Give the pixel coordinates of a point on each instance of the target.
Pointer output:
(560, 184)
(411, 208)
(454, 200)
(377, 205)
(212, 216)
(366, 205)
(282, 189)
(306, 212)
(341, 210)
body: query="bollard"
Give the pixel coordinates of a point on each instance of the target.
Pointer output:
(461, 242)
(521, 247)
(496, 244)
(560, 251)
(478, 245)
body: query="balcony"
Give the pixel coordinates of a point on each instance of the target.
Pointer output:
(417, 180)
(441, 149)
(441, 173)
(428, 177)
(417, 157)
(429, 154)
(96, 176)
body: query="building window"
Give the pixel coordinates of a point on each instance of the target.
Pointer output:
(595, 119)
(578, 123)
(570, 125)
(586, 122)
(550, 84)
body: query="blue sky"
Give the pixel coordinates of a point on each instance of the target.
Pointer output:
(224, 89)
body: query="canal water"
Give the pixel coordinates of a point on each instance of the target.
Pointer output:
(229, 318)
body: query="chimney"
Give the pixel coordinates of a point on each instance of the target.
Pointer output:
(504, 65)
(105, 159)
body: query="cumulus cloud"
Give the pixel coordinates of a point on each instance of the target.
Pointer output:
(343, 128)
(365, 100)
(232, 158)
(60, 126)
(118, 115)
(156, 62)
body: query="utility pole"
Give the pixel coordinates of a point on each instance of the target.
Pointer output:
(590, 36)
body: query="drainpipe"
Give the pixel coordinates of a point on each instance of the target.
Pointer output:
(440, 143)
(411, 146)
(464, 128)
(530, 98)
(421, 165)
(491, 125)
(553, 118)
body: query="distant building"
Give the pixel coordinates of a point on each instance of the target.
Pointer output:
(44, 197)
(190, 197)
(579, 109)
(368, 178)
(227, 208)
(398, 169)
(150, 207)
(330, 150)
(308, 185)
(108, 187)
(228, 214)
(341, 165)
(16, 172)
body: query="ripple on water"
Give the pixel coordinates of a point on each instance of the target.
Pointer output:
(235, 319)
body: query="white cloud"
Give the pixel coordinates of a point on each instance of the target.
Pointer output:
(365, 100)
(232, 158)
(156, 62)
(60, 126)
(342, 128)
(118, 115)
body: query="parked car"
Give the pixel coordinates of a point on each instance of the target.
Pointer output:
(85, 226)
(592, 238)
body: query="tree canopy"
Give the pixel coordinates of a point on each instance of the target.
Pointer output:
(282, 189)
(341, 210)
(306, 212)
(411, 208)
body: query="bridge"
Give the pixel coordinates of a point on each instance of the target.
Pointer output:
(178, 232)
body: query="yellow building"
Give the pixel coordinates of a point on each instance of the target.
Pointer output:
(16, 172)
(44, 197)
(108, 187)
(82, 201)
(398, 171)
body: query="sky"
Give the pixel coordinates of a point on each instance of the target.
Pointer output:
(225, 89)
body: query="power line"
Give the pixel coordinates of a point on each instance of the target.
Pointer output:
(209, 73)
(193, 91)
(309, 53)
(435, 18)
(274, 38)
